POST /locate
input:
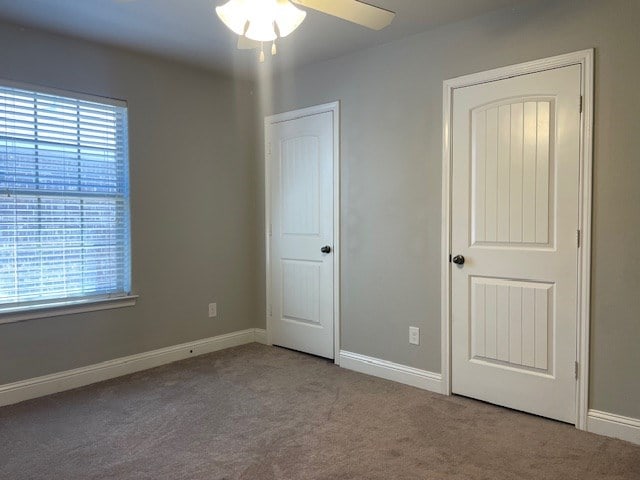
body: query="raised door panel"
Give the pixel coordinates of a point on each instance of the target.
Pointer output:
(511, 323)
(301, 291)
(512, 173)
(300, 180)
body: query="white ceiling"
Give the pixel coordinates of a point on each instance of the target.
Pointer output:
(189, 30)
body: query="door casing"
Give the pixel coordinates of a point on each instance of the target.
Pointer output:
(584, 58)
(334, 108)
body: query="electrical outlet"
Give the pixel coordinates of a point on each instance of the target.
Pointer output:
(414, 335)
(213, 310)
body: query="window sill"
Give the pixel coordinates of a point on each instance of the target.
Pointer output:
(19, 314)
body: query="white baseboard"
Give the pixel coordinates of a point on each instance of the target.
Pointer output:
(392, 371)
(612, 425)
(261, 336)
(57, 382)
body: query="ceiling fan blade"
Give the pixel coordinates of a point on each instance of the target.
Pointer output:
(354, 11)
(245, 43)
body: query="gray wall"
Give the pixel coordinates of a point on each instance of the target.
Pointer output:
(391, 106)
(193, 195)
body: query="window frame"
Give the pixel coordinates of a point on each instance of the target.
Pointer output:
(89, 303)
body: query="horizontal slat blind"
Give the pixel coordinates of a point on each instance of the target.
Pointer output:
(64, 198)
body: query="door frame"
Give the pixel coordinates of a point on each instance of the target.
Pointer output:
(334, 108)
(585, 59)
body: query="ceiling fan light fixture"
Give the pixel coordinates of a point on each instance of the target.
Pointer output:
(262, 17)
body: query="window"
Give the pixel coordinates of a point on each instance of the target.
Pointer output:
(64, 199)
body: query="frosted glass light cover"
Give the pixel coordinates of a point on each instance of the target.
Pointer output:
(234, 15)
(261, 30)
(288, 17)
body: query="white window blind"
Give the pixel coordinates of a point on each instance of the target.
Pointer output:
(64, 198)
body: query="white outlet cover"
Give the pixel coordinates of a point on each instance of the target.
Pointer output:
(213, 310)
(414, 335)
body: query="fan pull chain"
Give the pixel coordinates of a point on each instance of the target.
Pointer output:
(274, 50)
(261, 52)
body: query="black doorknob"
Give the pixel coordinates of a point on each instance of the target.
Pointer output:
(326, 249)
(458, 260)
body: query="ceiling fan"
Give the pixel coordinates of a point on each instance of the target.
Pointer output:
(259, 21)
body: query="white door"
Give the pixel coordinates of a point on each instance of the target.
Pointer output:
(514, 220)
(302, 238)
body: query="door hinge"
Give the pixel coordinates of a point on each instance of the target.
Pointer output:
(578, 239)
(449, 258)
(577, 370)
(581, 97)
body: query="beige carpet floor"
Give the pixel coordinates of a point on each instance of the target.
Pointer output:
(257, 412)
